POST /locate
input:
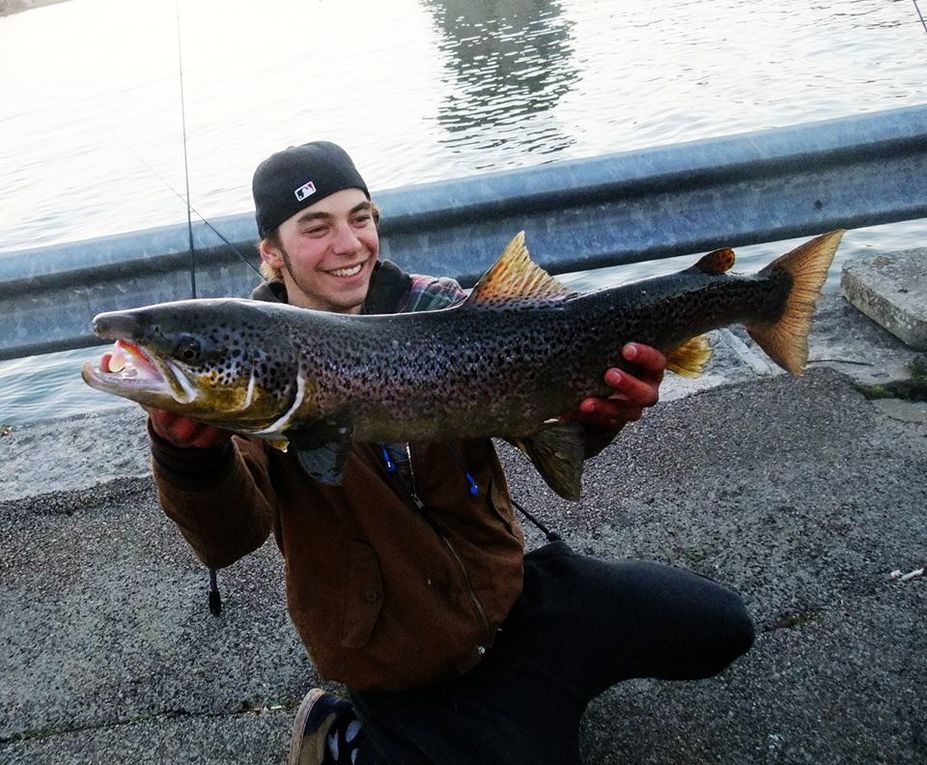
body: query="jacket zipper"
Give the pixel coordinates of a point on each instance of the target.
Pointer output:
(412, 495)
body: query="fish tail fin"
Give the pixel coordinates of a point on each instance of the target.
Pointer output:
(557, 452)
(785, 341)
(690, 358)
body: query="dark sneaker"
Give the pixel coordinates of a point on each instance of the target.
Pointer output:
(326, 731)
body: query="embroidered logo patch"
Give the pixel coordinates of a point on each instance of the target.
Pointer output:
(306, 190)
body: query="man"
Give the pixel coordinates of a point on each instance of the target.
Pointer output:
(409, 583)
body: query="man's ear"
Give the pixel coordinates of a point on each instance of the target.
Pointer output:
(270, 254)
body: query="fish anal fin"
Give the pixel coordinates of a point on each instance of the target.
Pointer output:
(785, 341)
(716, 262)
(515, 277)
(690, 358)
(557, 452)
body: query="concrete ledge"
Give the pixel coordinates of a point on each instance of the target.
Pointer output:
(891, 289)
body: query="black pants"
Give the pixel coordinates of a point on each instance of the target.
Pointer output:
(580, 626)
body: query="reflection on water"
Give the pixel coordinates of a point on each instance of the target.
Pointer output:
(417, 90)
(511, 59)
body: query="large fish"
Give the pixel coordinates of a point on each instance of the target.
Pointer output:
(519, 352)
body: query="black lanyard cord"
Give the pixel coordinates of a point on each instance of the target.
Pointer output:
(552, 536)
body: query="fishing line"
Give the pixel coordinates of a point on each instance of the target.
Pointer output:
(920, 15)
(186, 202)
(186, 199)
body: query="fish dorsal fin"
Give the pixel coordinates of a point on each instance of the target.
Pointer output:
(515, 277)
(716, 262)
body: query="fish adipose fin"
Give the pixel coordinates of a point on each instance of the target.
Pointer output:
(786, 340)
(322, 448)
(690, 358)
(557, 452)
(515, 277)
(716, 262)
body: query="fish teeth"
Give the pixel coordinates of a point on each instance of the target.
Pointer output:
(117, 361)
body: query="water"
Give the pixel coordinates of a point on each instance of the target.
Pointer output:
(90, 118)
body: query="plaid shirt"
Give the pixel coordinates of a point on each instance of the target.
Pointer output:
(429, 293)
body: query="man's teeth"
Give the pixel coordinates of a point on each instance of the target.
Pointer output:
(350, 271)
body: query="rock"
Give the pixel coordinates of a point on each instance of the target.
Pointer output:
(891, 289)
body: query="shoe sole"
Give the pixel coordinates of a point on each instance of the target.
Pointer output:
(299, 724)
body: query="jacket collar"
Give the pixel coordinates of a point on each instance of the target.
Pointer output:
(389, 289)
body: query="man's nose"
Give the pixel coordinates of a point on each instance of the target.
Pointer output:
(345, 241)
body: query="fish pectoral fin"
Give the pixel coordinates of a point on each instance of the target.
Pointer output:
(322, 449)
(515, 277)
(557, 452)
(690, 358)
(324, 463)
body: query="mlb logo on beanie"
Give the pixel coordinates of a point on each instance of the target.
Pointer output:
(306, 190)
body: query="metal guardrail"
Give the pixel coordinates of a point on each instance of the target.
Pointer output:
(620, 208)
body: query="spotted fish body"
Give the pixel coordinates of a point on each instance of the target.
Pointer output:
(521, 351)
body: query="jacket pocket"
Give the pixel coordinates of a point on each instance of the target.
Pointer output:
(362, 595)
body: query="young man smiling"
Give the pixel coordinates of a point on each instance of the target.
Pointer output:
(409, 582)
(326, 254)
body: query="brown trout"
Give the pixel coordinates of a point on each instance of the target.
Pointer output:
(521, 351)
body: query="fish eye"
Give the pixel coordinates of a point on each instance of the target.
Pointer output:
(188, 349)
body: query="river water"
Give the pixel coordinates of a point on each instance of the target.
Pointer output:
(91, 125)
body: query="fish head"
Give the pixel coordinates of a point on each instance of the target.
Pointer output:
(225, 362)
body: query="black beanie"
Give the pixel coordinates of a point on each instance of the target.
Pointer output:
(299, 176)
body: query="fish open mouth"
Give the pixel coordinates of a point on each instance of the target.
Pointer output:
(128, 369)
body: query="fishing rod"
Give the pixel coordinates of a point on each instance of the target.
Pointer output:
(186, 170)
(186, 163)
(215, 598)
